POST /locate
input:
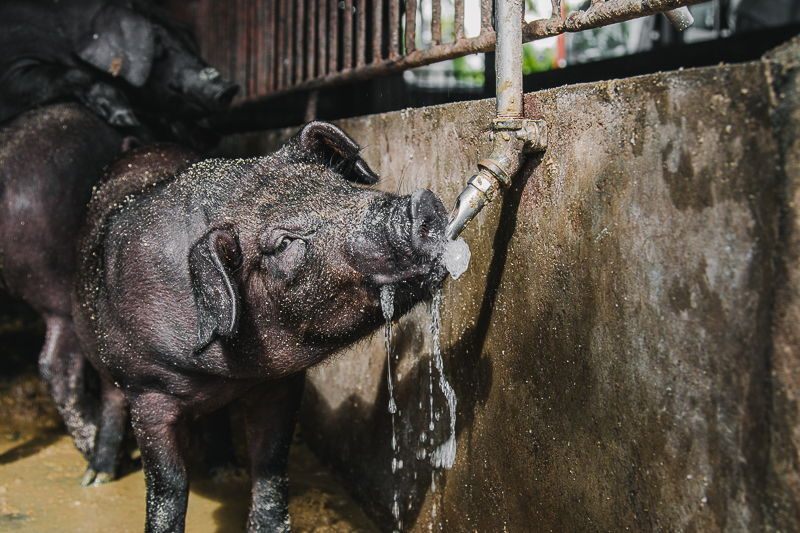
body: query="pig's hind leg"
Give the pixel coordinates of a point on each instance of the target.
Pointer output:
(271, 420)
(108, 444)
(62, 367)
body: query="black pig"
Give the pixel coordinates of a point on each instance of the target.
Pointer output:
(113, 56)
(50, 160)
(228, 282)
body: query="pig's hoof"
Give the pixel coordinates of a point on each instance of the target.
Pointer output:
(96, 478)
(88, 477)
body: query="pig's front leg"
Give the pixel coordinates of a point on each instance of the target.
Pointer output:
(271, 419)
(162, 435)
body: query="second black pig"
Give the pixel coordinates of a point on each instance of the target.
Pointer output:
(228, 282)
(117, 57)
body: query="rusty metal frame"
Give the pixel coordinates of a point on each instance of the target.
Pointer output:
(306, 45)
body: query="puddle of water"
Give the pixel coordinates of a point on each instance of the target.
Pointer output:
(40, 490)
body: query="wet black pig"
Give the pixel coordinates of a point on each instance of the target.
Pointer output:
(228, 282)
(49, 161)
(117, 57)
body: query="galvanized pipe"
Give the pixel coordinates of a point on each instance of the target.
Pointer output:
(508, 58)
(512, 134)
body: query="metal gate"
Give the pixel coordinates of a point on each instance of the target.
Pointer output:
(275, 47)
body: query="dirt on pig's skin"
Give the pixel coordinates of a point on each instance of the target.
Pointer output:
(40, 474)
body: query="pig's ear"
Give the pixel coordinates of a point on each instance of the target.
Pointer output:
(216, 299)
(121, 43)
(335, 148)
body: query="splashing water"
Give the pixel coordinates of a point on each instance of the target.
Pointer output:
(387, 306)
(445, 455)
(456, 257)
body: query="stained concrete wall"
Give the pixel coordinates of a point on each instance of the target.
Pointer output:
(624, 347)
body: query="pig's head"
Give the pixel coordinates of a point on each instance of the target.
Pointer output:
(304, 273)
(158, 57)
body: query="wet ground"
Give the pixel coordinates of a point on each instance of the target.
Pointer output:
(40, 471)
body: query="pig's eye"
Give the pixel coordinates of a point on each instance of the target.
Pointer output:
(283, 244)
(283, 255)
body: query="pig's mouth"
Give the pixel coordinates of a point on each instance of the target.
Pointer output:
(402, 240)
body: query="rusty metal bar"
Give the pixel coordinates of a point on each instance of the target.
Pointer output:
(411, 25)
(276, 47)
(600, 14)
(486, 15)
(322, 38)
(483, 43)
(377, 31)
(361, 33)
(288, 59)
(347, 36)
(394, 29)
(436, 22)
(268, 43)
(458, 21)
(280, 17)
(333, 34)
(299, 41)
(254, 37)
(312, 39)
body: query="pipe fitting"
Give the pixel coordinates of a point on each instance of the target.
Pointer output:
(512, 139)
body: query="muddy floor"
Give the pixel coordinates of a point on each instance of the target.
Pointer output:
(40, 470)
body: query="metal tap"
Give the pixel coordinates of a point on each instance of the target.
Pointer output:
(513, 139)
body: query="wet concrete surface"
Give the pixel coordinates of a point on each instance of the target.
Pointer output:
(41, 470)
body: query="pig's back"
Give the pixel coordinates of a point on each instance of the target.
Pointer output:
(135, 174)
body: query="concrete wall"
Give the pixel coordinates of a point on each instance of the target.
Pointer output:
(624, 348)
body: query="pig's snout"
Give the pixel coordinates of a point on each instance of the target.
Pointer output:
(208, 89)
(400, 237)
(427, 214)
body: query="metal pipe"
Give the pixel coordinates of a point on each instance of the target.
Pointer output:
(508, 58)
(512, 135)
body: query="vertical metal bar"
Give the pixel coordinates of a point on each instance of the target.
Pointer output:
(459, 20)
(299, 41)
(411, 25)
(377, 31)
(312, 40)
(279, 44)
(394, 29)
(361, 33)
(436, 22)
(347, 36)
(288, 59)
(203, 30)
(486, 15)
(333, 34)
(508, 62)
(254, 30)
(241, 39)
(322, 37)
(225, 41)
(268, 45)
